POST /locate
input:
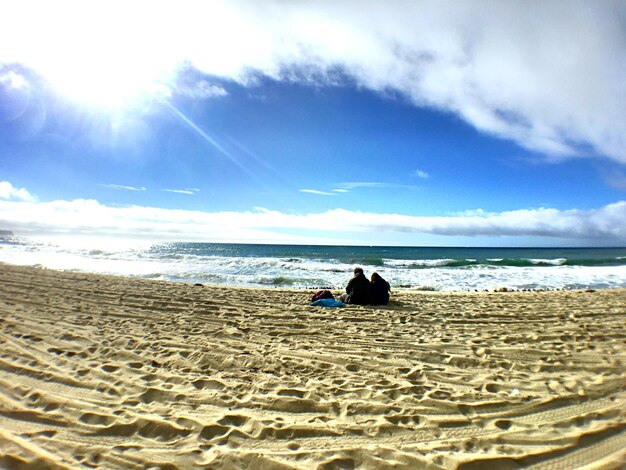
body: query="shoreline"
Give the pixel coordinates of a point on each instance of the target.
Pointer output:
(110, 371)
(274, 266)
(312, 289)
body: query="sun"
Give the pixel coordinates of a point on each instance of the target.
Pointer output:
(105, 54)
(107, 83)
(111, 53)
(109, 70)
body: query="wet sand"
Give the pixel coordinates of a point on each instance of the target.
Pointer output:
(112, 372)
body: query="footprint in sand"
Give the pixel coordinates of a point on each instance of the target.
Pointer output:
(210, 384)
(292, 392)
(154, 394)
(96, 419)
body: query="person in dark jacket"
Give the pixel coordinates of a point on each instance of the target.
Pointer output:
(358, 290)
(380, 290)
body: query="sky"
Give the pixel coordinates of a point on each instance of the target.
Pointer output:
(465, 123)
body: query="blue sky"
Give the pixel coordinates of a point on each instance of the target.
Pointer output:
(414, 123)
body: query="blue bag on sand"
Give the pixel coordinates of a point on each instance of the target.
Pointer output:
(328, 303)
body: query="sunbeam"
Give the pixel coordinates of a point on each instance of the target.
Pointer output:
(211, 141)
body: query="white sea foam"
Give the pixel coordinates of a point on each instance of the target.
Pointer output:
(410, 263)
(142, 261)
(553, 262)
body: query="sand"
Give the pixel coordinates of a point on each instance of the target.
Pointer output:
(111, 372)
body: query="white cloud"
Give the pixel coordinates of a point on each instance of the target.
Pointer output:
(364, 184)
(200, 90)
(345, 187)
(88, 217)
(127, 188)
(11, 79)
(421, 174)
(319, 193)
(8, 191)
(189, 191)
(547, 75)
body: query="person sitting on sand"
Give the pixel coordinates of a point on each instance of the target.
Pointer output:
(380, 290)
(358, 290)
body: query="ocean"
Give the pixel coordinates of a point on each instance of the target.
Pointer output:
(311, 266)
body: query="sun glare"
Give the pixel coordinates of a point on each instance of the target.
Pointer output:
(112, 53)
(108, 72)
(110, 85)
(111, 57)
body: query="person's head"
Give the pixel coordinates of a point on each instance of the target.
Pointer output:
(376, 277)
(358, 271)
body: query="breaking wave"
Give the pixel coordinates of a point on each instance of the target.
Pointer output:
(445, 269)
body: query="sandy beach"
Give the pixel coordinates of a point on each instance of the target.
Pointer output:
(112, 372)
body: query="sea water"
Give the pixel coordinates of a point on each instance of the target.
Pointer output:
(311, 266)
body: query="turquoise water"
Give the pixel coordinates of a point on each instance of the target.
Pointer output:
(312, 266)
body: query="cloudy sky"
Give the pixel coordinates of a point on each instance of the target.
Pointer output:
(354, 122)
